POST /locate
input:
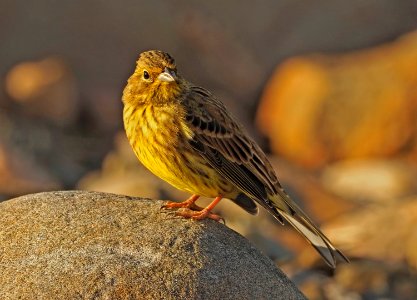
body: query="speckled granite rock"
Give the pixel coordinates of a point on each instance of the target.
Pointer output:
(88, 245)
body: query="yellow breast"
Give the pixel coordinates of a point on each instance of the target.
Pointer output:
(157, 135)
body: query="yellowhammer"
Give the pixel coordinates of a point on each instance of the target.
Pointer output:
(186, 136)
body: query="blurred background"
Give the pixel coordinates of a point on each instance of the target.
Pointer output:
(328, 88)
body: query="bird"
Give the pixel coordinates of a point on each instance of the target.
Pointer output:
(186, 136)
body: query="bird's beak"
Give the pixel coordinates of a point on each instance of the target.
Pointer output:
(167, 76)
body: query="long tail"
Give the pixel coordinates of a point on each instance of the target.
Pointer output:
(285, 207)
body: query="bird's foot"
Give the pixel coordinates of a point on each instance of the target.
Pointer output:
(198, 215)
(204, 213)
(188, 209)
(189, 203)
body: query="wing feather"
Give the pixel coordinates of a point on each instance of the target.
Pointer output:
(228, 149)
(221, 136)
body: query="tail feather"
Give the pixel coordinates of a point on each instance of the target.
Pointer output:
(293, 214)
(319, 242)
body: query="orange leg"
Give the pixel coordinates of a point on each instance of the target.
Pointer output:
(189, 203)
(202, 214)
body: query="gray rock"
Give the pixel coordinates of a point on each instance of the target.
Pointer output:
(89, 245)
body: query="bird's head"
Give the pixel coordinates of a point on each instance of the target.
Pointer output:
(155, 78)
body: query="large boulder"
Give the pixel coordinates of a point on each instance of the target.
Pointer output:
(89, 245)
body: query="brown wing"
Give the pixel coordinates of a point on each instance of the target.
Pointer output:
(228, 149)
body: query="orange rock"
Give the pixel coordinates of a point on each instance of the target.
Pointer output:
(318, 108)
(44, 88)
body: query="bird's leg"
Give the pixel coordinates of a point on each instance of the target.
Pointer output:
(189, 203)
(202, 214)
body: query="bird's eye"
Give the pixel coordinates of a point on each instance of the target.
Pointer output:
(146, 75)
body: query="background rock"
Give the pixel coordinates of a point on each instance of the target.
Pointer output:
(44, 89)
(386, 180)
(84, 245)
(385, 232)
(20, 173)
(357, 105)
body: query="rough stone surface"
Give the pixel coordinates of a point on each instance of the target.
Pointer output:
(89, 245)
